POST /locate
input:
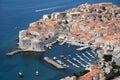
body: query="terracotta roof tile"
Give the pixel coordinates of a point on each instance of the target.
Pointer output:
(91, 74)
(110, 37)
(103, 78)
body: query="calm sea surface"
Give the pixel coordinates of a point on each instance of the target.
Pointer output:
(19, 13)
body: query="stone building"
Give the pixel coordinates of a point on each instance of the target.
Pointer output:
(94, 74)
(58, 15)
(72, 16)
(69, 78)
(35, 41)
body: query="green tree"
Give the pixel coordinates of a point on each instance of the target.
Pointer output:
(107, 57)
(49, 16)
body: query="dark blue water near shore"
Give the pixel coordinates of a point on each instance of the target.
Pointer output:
(19, 13)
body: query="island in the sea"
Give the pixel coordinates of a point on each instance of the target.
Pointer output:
(95, 26)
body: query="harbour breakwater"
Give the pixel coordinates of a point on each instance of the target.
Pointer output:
(52, 62)
(19, 51)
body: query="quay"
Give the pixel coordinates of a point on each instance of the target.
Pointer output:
(14, 52)
(63, 42)
(19, 51)
(55, 64)
(72, 42)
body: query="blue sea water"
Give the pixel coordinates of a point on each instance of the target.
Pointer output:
(19, 13)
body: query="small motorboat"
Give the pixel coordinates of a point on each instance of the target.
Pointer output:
(67, 66)
(69, 55)
(54, 58)
(20, 74)
(65, 58)
(62, 56)
(37, 73)
(59, 62)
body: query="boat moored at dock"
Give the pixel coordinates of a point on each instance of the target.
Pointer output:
(86, 57)
(54, 63)
(90, 54)
(82, 48)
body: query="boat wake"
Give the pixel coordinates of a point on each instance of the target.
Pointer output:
(52, 8)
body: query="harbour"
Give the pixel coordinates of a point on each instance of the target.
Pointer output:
(66, 57)
(73, 60)
(29, 64)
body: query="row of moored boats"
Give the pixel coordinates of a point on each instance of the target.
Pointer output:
(79, 60)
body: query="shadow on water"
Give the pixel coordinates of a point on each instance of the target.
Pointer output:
(36, 56)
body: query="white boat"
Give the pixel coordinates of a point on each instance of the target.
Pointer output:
(69, 55)
(94, 53)
(78, 62)
(59, 62)
(86, 57)
(66, 65)
(90, 54)
(82, 48)
(37, 73)
(79, 57)
(75, 65)
(83, 59)
(49, 47)
(62, 56)
(54, 58)
(20, 74)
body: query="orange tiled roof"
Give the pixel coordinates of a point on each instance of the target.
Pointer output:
(41, 20)
(99, 43)
(110, 37)
(91, 74)
(95, 5)
(92, 23)
(116, 78)
(94, 67)
(105, 3)
(75, 29)
(103, 78)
